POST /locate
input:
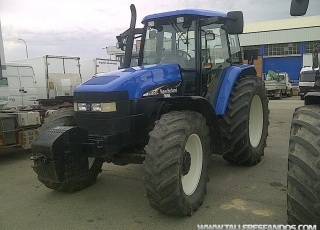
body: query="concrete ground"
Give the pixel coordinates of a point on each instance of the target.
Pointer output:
(236, 194)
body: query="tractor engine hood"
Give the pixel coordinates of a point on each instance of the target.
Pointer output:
(135, 80)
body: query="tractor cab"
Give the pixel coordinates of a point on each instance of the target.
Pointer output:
(201, 42)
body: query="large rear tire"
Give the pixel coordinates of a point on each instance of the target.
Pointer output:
(176, 163)
(245, 123)
(303, 192)
(65, 117)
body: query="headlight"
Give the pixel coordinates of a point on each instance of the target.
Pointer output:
(109, 107)
(96, 107)
(81, 106)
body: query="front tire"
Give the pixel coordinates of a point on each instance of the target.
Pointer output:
(245, 123)
(303, 178)
(176, 163)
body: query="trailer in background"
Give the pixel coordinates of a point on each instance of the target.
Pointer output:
(91, 67)
(55, 75)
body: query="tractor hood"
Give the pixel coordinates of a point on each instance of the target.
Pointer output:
(135, 80)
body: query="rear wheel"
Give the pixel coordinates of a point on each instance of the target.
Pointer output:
(176, 163)
(303, 192)
(65, 117)
(245, 123)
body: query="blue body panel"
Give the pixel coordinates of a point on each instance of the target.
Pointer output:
(136, 80)
(194, 12)
(231, 76)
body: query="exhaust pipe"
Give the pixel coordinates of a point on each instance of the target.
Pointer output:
(130, 39)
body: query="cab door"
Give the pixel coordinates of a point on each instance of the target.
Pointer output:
(213, 56)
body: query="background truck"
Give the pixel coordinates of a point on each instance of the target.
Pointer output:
(18, 86)
(278, 84)
(21, 116)
(55, 75)
(186, 100)
(306, 81)
(303, 188)
(90, 68)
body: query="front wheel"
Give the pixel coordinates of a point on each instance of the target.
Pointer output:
(245, 123)
(303, 178)
(176, 163)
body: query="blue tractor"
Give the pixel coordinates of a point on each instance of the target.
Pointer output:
(189, 97)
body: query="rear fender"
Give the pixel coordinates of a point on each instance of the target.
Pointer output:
(203, 106)
(230, 78)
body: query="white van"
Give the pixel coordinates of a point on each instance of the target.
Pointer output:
(18, 87)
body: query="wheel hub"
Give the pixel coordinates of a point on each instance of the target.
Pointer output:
(186, 163)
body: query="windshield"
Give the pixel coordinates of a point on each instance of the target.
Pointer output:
(170, 43)
(307, 77)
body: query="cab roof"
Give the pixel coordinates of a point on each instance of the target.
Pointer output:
(193, 12)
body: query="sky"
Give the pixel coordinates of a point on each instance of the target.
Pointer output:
(82, 28)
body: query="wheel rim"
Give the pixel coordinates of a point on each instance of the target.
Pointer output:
(90, 162)
(255, 121)
(191, 180)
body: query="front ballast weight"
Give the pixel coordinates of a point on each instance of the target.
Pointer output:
(61, 161)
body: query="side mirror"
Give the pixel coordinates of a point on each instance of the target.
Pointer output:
(250, 54)
(120, 44)
(299, 7)
(235, 22)
(210, 36)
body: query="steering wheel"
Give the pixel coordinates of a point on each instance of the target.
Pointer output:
(183, 54)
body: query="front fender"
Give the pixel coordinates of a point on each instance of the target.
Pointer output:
(232, 74)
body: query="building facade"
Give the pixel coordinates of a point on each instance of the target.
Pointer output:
(284, 45)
